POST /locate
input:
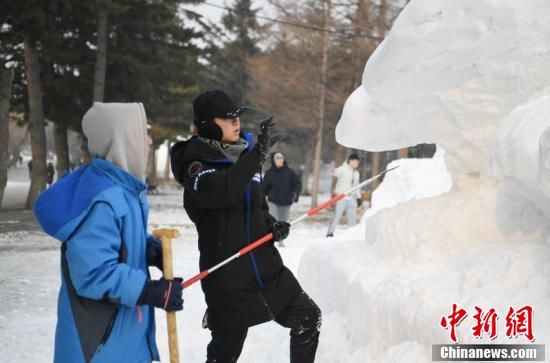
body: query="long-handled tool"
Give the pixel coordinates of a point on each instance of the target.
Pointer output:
(166, 235)
(269, 236)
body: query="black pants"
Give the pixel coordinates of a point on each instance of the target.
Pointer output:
(303, 317)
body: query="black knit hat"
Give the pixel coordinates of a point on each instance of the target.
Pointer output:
(211, 104)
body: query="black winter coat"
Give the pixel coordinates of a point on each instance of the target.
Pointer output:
(281, 185)
(225, 201)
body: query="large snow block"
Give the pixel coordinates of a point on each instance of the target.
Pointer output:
(392, 306)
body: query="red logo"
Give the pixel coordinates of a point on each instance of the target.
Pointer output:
(518, 322)
(453, 321)
(485, 323)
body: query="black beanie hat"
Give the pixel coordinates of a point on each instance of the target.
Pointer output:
(211, 104)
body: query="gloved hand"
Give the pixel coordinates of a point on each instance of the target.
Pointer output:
(154, 253)
(280, 230)
(164, 294)
(265, 141)
(359, 202)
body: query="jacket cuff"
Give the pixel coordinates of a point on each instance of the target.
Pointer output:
(135, 288)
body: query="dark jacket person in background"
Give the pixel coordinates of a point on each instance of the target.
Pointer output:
(219, 170)
(51, 173)
(282, 187)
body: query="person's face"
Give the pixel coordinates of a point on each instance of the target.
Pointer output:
(279, 162)
(231, 128)
(354, 163)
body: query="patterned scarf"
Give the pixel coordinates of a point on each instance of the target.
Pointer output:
(230, 151)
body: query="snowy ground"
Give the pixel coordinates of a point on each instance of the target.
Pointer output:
(29, 281)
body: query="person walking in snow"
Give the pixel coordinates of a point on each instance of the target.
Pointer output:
(51, 173)
(99, 213)
(347, 177)
(282, 187)
(219, 170)
(29, 166)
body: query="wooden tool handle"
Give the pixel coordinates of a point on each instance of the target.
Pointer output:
(166, 236)
(168, 271)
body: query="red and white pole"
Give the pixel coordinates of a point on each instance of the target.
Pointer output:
(269, 236)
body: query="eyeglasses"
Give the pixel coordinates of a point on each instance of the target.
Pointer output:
(239, 111)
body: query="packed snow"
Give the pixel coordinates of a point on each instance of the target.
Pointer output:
(30, 278)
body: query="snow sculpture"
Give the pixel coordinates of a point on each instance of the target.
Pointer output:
(447, 73)
(471, 76)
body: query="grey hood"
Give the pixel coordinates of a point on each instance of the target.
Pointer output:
(118, 132)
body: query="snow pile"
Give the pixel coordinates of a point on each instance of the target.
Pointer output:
(472, 77)
(414, 179)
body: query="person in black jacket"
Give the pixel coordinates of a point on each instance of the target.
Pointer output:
(51, 173)
(219, 170)
(282, 188)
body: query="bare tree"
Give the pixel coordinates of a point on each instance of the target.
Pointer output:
(36, 122)
(321, 125)
(6, 80)
(61, 148)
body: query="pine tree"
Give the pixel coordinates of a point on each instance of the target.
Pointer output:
(230, 61)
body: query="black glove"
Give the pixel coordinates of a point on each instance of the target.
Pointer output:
(154, 254)
(164, 294)
(280, 230)
(265, 141)
(359, 202)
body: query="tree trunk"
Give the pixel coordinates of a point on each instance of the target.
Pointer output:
(382, 19)
(167, 166)
(6, 80)
(403, 153)
(61, 149)
(36, 123)
(364, 165)
(306, 172)
(101, 54)
(320, 128)
(100, 65)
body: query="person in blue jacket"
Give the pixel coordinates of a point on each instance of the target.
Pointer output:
(99, 213)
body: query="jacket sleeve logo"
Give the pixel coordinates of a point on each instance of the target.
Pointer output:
(194, 169)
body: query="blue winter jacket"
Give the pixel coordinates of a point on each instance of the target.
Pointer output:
(99, 213)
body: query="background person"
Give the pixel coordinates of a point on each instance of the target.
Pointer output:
(282, 187)
(347, 177)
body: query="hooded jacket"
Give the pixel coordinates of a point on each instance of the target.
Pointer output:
(281, 185)
(225, 201)
(99, 213)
